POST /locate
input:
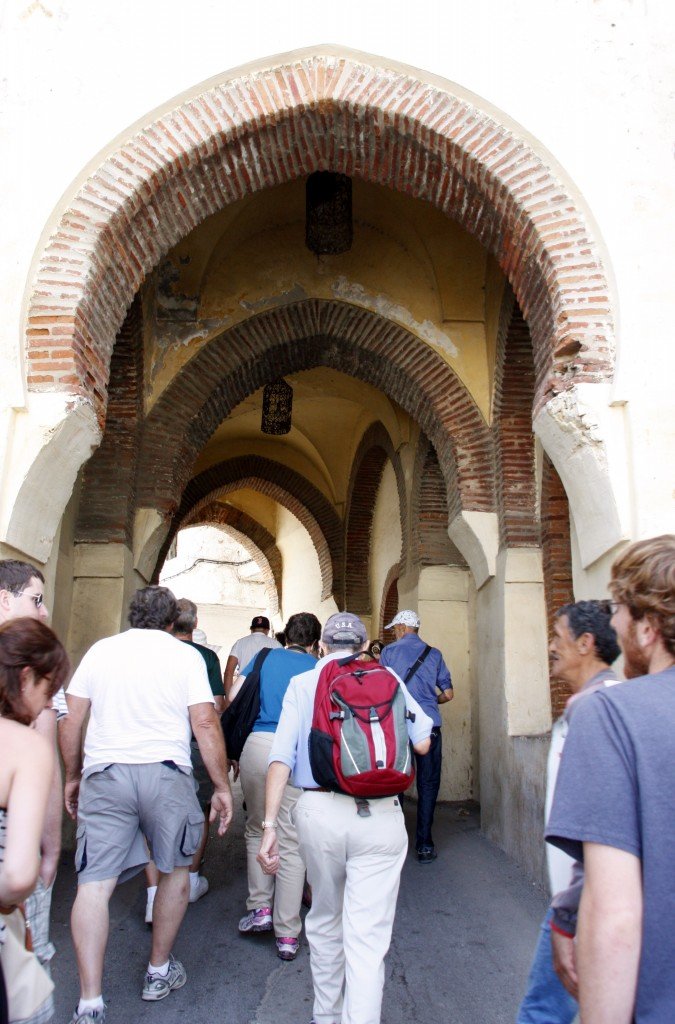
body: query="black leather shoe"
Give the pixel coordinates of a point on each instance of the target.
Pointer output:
(426, 854)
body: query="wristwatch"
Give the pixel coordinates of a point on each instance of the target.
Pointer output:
(268, 824)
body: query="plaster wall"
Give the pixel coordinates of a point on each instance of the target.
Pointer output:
(385, 541)
(512, 769)
(443, 608)
(301, 577)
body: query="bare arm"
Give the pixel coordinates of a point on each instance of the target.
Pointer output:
(206, 728)
(228, 675)
(446, 696)
(609, 935)
(26, 806)
(277, 778)
(45, 725)
(70, 740)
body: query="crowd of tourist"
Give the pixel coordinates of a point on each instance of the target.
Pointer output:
(323, 775)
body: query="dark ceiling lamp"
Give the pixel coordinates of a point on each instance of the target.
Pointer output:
(328, 213)
(277, 407)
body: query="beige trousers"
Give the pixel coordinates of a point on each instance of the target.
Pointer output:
(283, 892)
(354, 867)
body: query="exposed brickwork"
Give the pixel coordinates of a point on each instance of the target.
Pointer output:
(269, 127)
(430, 542)
(281, 484)
(366, 476)
(108, 486)
(514, 440)
(389, 605)
(298, 337)
(253, 537)
(557, 552)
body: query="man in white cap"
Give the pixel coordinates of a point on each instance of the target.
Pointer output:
(424, 672)
(353, 854)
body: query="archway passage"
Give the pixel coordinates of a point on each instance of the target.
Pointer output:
(320, 111)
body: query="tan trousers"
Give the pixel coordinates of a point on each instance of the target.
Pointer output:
(283, 892)
(354, 867)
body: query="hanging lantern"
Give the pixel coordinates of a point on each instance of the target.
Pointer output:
(277, 406)
(328, 213)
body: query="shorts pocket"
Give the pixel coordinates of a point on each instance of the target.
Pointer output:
(81, 848)
(191, 835)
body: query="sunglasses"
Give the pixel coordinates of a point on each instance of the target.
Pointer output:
(37, 599)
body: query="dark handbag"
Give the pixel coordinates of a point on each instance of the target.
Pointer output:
(238, 719)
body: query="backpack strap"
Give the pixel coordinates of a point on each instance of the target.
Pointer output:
(414, 667)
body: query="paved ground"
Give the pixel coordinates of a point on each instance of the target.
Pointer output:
(465, 929)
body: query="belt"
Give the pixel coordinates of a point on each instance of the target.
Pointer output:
(316, 789)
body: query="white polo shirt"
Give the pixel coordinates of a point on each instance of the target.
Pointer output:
(140, 684)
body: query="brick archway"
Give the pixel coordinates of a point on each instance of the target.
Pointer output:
(301, 336)
(258, 541)
(322, 110)
(374, 449)
(430, 543)
(281, 484)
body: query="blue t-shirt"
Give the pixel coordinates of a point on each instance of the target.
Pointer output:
(278, 669)
(616, 786)
(432, 673)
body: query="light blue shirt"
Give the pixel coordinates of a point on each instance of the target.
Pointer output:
(291, 740)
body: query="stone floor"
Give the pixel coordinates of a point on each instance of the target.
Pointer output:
(465, 930)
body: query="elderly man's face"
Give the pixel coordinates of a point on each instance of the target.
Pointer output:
(564, 650)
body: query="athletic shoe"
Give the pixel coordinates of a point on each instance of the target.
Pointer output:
(259, 920)
(198, 888)
(158, 986)
(90, 1017)
(426, 854)
(287, 949)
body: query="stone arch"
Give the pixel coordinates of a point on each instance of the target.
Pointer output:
(300, 336)
(320, 110)
(252, 536)
(557, 560)
(281, 484)
(389, 602)
(370, 458)
(430, 543)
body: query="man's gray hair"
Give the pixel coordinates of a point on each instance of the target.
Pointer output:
(187, 616)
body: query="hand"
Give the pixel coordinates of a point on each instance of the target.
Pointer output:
(268, 854)
(71, 795)
(234, 765)
(564, 961)
(221, 807)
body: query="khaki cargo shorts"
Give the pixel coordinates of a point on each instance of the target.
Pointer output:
(122, 805)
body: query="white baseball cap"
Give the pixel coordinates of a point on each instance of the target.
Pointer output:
(405, 618)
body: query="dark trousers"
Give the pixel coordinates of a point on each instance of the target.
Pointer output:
(428, 784)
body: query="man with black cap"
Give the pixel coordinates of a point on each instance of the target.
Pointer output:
(423, 670)
(246, 648)
(353, 859)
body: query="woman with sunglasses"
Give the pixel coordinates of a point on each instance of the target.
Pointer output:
(33, 665)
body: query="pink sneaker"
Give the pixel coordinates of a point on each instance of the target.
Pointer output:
(287, 949)
(259, 920)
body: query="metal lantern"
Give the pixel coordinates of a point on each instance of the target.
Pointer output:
(328, 211)
(277, 407)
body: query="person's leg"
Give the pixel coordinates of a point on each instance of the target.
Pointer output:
(428, 784)
(253, 773)
(89, 922)
(321, 827)
(170, 905)
(290, 878)
(377, 848)
(199, 855)
(151, 880)
(546, 1001)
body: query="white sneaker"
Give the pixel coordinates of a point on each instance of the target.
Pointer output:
(199, 887)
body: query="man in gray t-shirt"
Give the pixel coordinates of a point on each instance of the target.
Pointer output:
(614, 804)
(246, 648)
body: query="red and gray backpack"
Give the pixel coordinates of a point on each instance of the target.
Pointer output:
(359, 742)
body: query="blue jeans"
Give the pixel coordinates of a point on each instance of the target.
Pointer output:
(546, 1001)
(428, 784)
